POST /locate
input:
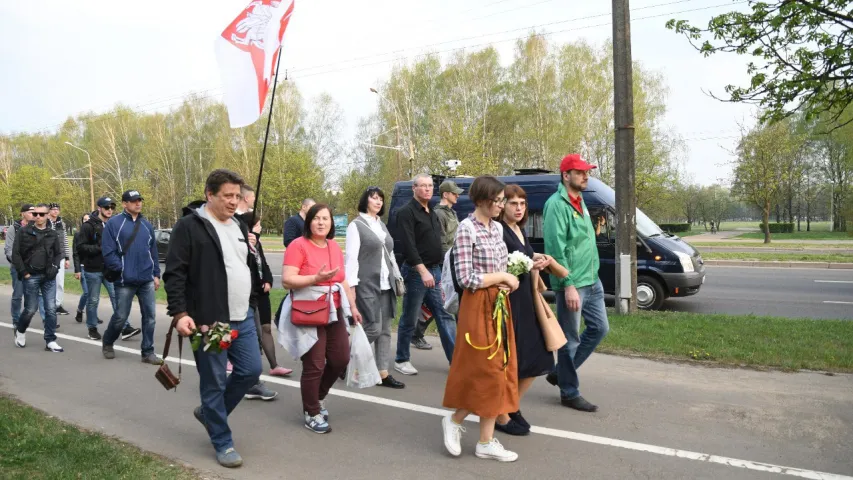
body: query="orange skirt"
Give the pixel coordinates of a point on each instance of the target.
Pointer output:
(484, 386)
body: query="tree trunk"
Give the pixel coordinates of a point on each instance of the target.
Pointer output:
(767, 222)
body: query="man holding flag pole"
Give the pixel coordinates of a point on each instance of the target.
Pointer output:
(248, 52)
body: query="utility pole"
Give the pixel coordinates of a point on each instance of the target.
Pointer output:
(626, 200)
(91, 177)
(399, 164)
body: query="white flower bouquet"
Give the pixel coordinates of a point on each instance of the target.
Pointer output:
(518, 263)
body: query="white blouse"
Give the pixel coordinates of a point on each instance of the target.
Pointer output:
(353, 243)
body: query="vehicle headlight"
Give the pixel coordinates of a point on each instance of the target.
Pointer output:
(686, 262)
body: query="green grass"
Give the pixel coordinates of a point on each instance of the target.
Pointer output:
(734, 340)
(781, 246)
(38, 446)
(753, 225)
(813, 235)
(779, 257)
(72, 285)
(691, 233)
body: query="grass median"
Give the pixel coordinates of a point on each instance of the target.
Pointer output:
(716, 339)
(813, 235)
(36, 445)
(779, 257)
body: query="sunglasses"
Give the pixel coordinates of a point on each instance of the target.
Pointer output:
(111, 207)
(39, 214)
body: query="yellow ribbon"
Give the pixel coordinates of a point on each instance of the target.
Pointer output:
(498, 315)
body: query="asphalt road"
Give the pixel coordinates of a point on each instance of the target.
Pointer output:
(656, 420)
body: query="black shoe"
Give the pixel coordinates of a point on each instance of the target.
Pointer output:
(421, 344)
(129, 332)
(93, 334)
(61, 311)
(551, 378)
(100, 321)
(513, 428)
(578, 403)
(79, 317)
(391, 382)
(519, 419)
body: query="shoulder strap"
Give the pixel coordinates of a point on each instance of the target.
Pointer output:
(391, 258)
(132, 237)
(169, 343)
(453, 258)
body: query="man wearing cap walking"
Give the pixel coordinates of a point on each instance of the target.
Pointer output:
(570, 239)
(56, 223)
(92, 261)
(17, 285)
(129, 250)
(449, 222)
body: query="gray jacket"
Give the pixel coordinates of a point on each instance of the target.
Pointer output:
(10, 240)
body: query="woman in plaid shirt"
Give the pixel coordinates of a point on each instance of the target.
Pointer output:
(483, 377)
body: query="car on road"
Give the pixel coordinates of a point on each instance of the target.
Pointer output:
(667, 266)
(162, 237)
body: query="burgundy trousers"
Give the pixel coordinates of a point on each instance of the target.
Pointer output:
(324, 364)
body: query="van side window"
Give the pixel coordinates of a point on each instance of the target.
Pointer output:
(602, 221)
(533, 228)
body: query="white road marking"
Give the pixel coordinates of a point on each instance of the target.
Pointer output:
(833, 281)
(838, 303)
(551, 432)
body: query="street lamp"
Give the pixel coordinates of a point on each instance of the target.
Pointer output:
(397, 120)
(91, 181)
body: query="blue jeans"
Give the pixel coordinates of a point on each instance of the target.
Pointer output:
(220, 393)
(124, 300)
(572, 355)
(417, 294)
(85, 297)
(93, 281)
(17, 296)
(34, 286)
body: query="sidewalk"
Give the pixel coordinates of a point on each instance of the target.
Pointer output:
(657, 420)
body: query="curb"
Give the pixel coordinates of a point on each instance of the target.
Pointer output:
(765, 264)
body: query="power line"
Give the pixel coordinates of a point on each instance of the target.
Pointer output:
(106, 116)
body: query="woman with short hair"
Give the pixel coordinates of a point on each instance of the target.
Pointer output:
(483, 376)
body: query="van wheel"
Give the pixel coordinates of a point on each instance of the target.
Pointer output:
(650, 294)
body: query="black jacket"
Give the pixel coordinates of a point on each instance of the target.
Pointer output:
(195, 279)
(88, 247)
(30, 257)
(265, 275)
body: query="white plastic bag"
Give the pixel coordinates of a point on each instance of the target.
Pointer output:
(361, 371)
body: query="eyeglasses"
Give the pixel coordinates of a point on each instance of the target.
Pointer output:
(39, 214)
(499, 201)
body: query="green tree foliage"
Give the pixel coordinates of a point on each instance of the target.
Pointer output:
(804, 51)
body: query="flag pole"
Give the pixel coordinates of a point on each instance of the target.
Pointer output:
(266, 137)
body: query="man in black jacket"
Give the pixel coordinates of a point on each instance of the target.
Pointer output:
(36, 256)
(208, 281)
(294, 225)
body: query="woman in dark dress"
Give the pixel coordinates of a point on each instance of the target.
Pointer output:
(534, 359)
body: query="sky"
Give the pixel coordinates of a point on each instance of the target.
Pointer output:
(62, 58)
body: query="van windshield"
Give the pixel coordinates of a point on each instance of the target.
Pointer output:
(646, 227)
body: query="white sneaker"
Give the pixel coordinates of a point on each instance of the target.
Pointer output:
(20, 339)
(406, 368)
(452, 436)
(53, 347)
(496, 451)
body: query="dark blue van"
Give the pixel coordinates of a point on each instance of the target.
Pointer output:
(666, 265)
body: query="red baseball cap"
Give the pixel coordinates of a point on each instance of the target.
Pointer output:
(573, 161)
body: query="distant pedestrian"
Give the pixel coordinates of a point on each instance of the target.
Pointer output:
(449, 222)
(78, 270)
(17, 283)
(313, 270)
(208, 281)
(421, 238)
(129, 247)
(370, 268)
(36, 255)
(295, 225)
(483, 377)
(58, 224)
(570, 239)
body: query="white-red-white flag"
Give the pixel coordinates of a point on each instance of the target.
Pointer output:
(247, 52)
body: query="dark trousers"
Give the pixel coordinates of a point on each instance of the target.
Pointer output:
(324, 364)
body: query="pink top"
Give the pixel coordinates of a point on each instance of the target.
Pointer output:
(309, 258)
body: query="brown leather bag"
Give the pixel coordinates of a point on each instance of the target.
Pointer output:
(164, 374)
(551, 330)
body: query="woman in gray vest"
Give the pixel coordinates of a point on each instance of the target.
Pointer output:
(370, 271)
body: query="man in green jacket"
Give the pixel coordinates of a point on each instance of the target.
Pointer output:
(570, 239)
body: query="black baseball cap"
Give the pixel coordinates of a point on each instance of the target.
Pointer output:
(51, 206)
(104, 202)
(27, 207)
(130, 196)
